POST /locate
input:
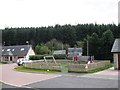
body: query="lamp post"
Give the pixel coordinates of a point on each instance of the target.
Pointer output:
(27, 42)
(87, 48)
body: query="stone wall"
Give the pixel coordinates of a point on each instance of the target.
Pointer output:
(86, 67)
(43, 65)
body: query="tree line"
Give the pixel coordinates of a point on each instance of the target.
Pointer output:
(99, 37)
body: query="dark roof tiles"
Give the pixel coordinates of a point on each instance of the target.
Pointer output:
(20, 50)
(116, 46)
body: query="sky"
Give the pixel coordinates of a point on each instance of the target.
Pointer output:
(37, 13)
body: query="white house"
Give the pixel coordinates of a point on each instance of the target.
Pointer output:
(12, 53)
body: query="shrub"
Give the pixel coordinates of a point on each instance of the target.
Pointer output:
(4, 62)
(42, 49)
(36, 57)
(59, 56)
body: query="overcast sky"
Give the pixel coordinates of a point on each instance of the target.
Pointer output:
(36, 13)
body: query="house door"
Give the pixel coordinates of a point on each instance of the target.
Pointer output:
(11, 58)
(119, 61)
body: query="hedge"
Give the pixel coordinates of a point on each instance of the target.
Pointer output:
(36, 57)
(59, 56)
(39, 57)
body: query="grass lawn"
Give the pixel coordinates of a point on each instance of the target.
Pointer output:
(101, 68)
(24, 69)
(98, 69)
(64, 67)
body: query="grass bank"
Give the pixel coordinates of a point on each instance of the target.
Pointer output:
(101, 68)
(97, 69)
(24, 69)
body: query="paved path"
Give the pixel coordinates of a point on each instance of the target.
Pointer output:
(106, 74)
(12, 77)
(110, 72)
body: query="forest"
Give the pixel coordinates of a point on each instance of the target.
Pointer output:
(98, 38)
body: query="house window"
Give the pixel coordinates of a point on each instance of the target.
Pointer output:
(22, 49)
(6, 58)
(13, 49)
(8, 49)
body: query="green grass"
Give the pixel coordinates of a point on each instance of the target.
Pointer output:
(97, 69)
(64, 68)
(24, 69)
(101, 68)
(64, 65)
(3, 62)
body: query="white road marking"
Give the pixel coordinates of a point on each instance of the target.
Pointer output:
(100, 76)
(19, 79)
(41, 80)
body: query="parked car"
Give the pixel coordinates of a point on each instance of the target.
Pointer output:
(22, 61)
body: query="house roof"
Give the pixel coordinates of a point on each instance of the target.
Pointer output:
(74, 49)
(116, 46)
(59, 52)
(20, 50)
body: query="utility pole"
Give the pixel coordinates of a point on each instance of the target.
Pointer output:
(62, 46)
(87, 48)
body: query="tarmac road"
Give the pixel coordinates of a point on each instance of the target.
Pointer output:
(76, 82)
(12, 78)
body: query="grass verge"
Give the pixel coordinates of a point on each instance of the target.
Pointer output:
(64, 68)
(101, 68)
(96, 69)
(24, 69)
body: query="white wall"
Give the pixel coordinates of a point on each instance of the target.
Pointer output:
(115, 57)
(30, 52)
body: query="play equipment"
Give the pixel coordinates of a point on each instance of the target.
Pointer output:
(45, 58)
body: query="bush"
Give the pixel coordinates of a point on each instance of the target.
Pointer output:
(4, 62)
(59, 56)
(42, 49)
(36, 57)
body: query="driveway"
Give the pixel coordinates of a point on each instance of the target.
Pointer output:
(12, 77)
